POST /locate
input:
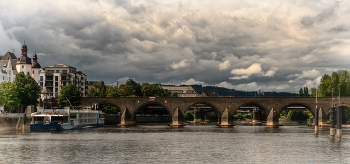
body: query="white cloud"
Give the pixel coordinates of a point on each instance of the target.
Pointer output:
(309, 74)
(225, 84)
(181, 64)
(123, 80)
(270, 72)
(239, 77)
(224, 65)
(253, 69)
(192, 81)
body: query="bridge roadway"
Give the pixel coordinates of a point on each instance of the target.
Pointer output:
(224, 107)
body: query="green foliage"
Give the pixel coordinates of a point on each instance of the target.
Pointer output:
(310, 120)
(339, 80)
(28, 89)
(135, 88)
(98, 89)
(189, 116)
(109, 109)
(238, 116)
(345, 115)
(71, 92)
(9, 94)
(174, 94)
(296, 115)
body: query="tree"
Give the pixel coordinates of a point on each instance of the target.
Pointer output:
(135, 88)
(301, 92)
(9, 95)
(306, 92)
(71, 92)
(28, 90)
(313, 92)
(124, 90)
(98, 89)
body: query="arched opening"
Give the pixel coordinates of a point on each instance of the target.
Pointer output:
(112, 113)
(296, 114)
(202, 113)
(250, 114)
(152, 113)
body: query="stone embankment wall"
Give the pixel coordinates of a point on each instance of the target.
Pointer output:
(10, 123)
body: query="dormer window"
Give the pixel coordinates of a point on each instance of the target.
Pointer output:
(22, 66)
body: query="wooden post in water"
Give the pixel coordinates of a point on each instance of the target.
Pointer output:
(316, 116)
(339, 119)
(332, 129)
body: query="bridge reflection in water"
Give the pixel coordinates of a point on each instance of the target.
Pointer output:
(223, 108)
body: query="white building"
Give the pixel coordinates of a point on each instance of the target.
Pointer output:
(56, 76)
(11, 65)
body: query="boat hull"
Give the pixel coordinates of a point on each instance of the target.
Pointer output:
(45, 127)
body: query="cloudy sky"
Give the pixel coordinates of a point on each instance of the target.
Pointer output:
(239, 44)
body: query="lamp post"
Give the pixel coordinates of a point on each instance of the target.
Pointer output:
(316, 115)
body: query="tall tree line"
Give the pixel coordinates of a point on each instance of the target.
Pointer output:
(129, 89)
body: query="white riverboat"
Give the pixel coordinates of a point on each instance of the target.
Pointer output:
(65, 119)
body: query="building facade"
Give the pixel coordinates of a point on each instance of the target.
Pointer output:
(55, 77)
(52, 77)
(11, 65)
(182, 91)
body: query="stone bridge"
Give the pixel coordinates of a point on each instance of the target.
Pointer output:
(224, 107)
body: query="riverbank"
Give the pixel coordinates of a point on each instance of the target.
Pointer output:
(12, 124)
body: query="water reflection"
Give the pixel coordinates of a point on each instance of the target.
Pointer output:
(194, 143)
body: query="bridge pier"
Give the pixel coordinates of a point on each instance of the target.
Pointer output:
(272, 119)
(226, 119)
(177, 119)
(126, 119)
(257, 117)
(322, 118)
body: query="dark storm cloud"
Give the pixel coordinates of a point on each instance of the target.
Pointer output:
(339, 28)
(184, 42)
(322, 17)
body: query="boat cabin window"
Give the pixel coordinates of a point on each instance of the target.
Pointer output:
(56, 119)
(39, 120)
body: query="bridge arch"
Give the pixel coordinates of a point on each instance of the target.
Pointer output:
(216, 110)
(262, 107)
(100, 104)
(307, 107)
(146, 105)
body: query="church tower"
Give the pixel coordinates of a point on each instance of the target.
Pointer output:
(36, 68)
(24, 63)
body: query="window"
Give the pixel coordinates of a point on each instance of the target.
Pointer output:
(56, 84)
(50, 71)
(57, 71)
(56, 78)
(41, 84)
(64, 71)
(41, 78)
(33, 72)
(22, 66)
(3, 77)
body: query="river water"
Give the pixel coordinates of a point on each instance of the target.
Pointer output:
(159, 143)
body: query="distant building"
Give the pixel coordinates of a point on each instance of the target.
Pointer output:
(57, 76)
(182, 91)
(11, 65)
